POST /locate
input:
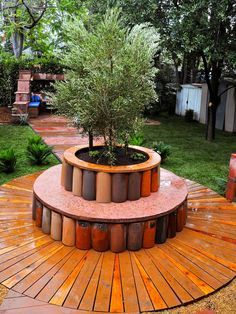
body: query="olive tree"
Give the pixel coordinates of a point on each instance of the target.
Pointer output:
(110, 77)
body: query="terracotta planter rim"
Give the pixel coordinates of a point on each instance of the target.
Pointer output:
(153, 161)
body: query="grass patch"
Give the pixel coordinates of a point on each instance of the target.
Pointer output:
(192, 156)
(16, 137)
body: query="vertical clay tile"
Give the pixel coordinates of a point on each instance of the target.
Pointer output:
(172, 224)
(63, 172)
(118, 238)
(134, 186)
(100, 237)
(146, 183)
(83, 235)
(185, 211)
(162, 225)
(46, 221)
(89, 185)
(56, 226)
(149, 234)
(180, 218)
(39, 215)
(135, 236)
(68, 177)
(34, 206)
(155, 183)
(68, 231)
(77, 181)
(103, 187)
(119, 187)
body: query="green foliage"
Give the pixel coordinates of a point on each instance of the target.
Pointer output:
(35, 139)
(137, 139)
(17, 138)
(111, 76)
(94, 154)
(189, 115)
(37, 151)
(7, 161)
(164, 150)
(137, 156)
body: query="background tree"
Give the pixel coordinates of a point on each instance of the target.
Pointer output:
(20, 16)
(110, 77)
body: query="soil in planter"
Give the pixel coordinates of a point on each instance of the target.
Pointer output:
(122, 158)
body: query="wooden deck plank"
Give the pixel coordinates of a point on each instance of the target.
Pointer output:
(102, 301)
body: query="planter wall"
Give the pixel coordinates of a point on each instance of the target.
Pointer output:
(106, 184)
(102, 236)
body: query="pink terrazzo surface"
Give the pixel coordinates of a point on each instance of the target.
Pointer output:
(172, 192)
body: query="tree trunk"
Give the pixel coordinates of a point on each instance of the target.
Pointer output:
(17, 43)
(90, 140)
(211, 121)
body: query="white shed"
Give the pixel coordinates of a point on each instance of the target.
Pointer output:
(189, 97)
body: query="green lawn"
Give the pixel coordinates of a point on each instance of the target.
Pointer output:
(16, 137)
(192, 156)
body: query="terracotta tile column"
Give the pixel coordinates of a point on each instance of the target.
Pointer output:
(63, 172)
(180, 218)
(46, 222)
(118, 238)
(56, 226)
(119, 187)
(34, 206)
(83, 235)
(134, 187)
(231, 185)
(100, 237)
(103, 187)
(162, 225)
(68, 177)
(68, 231)
(89, 185)
(146, 183)
(77, 181)
(149, 234)
(39, 215)
(135, 236)
(172, 224)
(155, 179)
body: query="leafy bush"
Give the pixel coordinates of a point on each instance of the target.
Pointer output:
(35, 139)
(162, 149)
(7, 161)
(137, 156)
(189, 115)
(137, 140)
(37, 151)
(94, 154)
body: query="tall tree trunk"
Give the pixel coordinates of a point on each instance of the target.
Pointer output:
(17, 43)
(90, 134)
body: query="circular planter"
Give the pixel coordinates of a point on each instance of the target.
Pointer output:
(105, 184)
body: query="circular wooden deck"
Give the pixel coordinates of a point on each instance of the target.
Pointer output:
(198, 261)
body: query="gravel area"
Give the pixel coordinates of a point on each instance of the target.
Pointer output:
(3, 293)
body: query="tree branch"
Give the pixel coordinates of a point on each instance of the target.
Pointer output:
(35, 20)
(207, 75)
(224, 91)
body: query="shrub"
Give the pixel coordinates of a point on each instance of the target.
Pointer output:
(189, 115)
(137, 140)
(37, 151)
(35, 139)
(7, 160)
(162, 149)
(221, 183)
(137, 156)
